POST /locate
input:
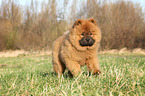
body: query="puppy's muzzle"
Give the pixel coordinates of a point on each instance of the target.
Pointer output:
(86, 41)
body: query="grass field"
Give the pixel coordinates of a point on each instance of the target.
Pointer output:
(27, 75)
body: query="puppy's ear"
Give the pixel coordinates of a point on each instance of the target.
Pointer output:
(93, 21)
(78, 22)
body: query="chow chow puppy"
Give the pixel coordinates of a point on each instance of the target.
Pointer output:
(77, 48)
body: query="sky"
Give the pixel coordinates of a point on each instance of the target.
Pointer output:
(25, 2)
(141, 2)
(28, 2)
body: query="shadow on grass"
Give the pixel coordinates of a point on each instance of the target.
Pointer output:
(47, 74)
(65, 75)
(52, 74)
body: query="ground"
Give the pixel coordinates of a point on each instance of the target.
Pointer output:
(33, 75)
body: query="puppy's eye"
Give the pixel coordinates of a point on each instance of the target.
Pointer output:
(82, 34)
(91, 34)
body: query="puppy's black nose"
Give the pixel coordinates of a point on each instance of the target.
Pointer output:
(87, 39)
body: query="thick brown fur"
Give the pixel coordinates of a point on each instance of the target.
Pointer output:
(68, 53)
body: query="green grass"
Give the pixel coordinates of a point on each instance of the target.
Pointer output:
(121, 75)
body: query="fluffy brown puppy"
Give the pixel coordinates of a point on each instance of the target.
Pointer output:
(77, 48)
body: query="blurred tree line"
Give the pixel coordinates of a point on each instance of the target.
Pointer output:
(31, 27)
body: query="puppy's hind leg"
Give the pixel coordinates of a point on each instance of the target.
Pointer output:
(58, 66)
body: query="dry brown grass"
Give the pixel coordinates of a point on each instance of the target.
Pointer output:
(122, 23)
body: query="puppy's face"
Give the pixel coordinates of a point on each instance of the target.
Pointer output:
(85, 34)
(87, 38)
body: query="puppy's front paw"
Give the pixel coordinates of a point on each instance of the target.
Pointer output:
(97, 72)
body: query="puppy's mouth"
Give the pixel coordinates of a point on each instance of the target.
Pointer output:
(86, 42)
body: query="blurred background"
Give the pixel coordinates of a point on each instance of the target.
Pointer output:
(35, 24)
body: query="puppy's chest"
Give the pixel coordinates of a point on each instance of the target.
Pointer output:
(83, 57)
(83, 61)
